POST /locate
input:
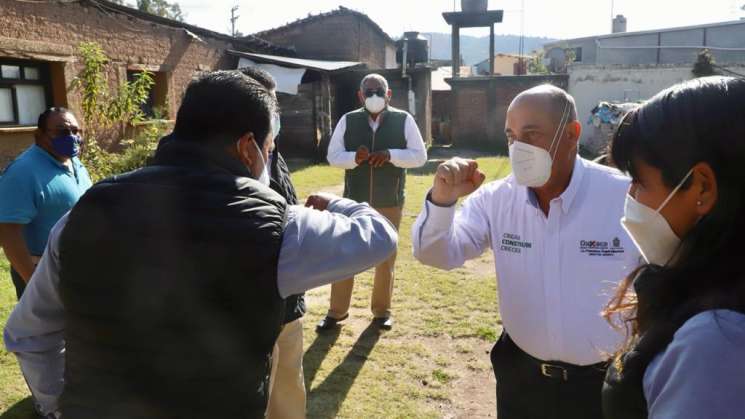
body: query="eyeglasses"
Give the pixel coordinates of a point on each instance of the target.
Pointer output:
(379, 91)
(63, 131)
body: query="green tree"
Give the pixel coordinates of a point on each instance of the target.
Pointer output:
(161, 8)
(104, 110)
(536, 65)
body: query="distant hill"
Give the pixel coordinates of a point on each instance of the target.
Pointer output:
(475, 49)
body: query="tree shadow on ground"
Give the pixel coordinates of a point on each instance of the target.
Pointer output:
(326, 399)
(24, 409)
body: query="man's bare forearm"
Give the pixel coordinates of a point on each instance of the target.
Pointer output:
(14, 245)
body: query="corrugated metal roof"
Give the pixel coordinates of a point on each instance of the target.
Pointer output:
(646, 32)
(250, 42)
(317, 65)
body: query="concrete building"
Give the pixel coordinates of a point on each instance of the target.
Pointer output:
(725, 40)
(505, 65)
(634, 66)
(39, 58)
(340, 35)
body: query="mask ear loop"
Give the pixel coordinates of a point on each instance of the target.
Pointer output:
(261, 155)
(677, 188)
(560, 131)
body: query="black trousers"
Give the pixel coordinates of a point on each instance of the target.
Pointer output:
(18, 282)
(524, 391)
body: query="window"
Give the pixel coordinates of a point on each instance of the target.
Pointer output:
(577, 55)
(156, 101)
(24, 91)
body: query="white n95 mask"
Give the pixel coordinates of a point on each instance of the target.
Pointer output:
(532, 165)
(649, 230)
(375, 104)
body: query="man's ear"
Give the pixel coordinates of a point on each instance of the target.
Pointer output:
(389, 94)
(361, 97)
(246, 151)
(574, 131)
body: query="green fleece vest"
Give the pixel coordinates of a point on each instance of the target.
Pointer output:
(381, 187)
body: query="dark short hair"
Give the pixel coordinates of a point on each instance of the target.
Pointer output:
(221, 106)
(260, 76)
(44, 117)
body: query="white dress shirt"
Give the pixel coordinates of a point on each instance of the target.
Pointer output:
(318, 248)
(555, 273)
(414, 155)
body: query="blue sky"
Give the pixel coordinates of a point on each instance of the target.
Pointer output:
(552, 18)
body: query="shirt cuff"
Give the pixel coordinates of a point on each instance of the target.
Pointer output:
(439, 216)
(344, 160)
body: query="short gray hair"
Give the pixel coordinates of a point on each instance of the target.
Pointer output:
(374, 76)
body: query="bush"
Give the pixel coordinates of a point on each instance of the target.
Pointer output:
(138, 152)
(104, 111)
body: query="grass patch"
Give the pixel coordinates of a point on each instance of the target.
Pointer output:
(441, 376)
(443, 323)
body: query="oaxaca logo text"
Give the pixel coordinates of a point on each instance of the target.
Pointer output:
(601, 248)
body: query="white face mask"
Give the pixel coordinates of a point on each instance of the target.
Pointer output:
(264, 178)
(649, 230)
(532, 165)
(276, 125)
(375, 104)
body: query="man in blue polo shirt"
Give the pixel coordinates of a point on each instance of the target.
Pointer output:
(37, 189)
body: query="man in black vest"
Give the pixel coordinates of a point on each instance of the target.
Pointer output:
(375, 144)
(161, 294)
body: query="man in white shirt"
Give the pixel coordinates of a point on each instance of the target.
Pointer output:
(558, 248)
(375, 144)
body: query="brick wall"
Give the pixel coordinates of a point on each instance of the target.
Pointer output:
(334, 38)
(480, 108)
(52, 31)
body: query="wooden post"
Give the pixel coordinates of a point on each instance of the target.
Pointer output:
(491, 50)
(456, 51)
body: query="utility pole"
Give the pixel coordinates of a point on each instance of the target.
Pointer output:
(233, 18)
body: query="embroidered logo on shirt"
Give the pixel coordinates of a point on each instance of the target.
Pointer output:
(513, 243)
(601, 248)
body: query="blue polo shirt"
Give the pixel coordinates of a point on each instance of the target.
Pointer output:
(36, 190)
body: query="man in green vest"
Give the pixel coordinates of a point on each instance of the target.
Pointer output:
(375, 144)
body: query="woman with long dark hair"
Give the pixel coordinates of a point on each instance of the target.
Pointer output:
(684, 310)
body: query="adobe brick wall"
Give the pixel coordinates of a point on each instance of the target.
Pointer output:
(480, 108)
(55, 30)
(13, 144)
(334, 38)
